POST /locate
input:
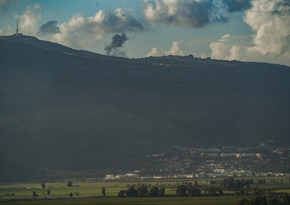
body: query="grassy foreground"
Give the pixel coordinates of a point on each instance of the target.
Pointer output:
(138, 201)
(90, 187)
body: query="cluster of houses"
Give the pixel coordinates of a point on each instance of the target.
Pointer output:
(238, 155)
(218, 161)
(122, 176)
(216, 173)
(223, 151)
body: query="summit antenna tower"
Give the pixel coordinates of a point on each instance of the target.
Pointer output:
(17, 28)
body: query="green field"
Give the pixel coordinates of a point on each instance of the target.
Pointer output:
(139, 201)
(92, 188)
(85, 189)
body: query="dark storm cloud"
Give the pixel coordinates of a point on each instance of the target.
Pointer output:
(282, 7)
(237, 5)
(113, 49)
(185, 13)
(48, 28)
(120, 21)
(195, 14)
(192, 13)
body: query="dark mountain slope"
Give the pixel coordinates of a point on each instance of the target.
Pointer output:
(74, 111)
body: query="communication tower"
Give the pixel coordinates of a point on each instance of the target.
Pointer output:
(17, 28)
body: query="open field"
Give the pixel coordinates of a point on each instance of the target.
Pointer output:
(138, 201)
(91, 187)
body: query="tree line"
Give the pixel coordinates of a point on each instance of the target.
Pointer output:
(231, 183)
(142, 191)
(261, 197)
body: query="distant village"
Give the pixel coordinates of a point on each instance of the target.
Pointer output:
(213, 162)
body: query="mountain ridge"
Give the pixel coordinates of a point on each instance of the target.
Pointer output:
(86, 111)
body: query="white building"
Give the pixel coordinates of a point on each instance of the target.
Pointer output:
(228, 154)
(132, 175)
(110, 177)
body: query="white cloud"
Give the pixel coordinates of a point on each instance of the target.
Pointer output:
(9, 30)
(270, 22)
(79, 31)
(30, 20)
(220, 49)
(37, 6)
(175, 50)
(155, 52)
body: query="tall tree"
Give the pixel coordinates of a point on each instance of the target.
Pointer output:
(142, 191)
(70, 184)
(219, 190)
(161, 192)
(34, 194)
(230, 183)
(181, 191)
(154, 192)
(193, 191)
(131, 192)
(121, 193)
(103, 191)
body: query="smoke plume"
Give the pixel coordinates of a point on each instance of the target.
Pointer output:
(113, 49)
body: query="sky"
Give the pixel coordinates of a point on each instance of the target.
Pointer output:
(245, 30)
